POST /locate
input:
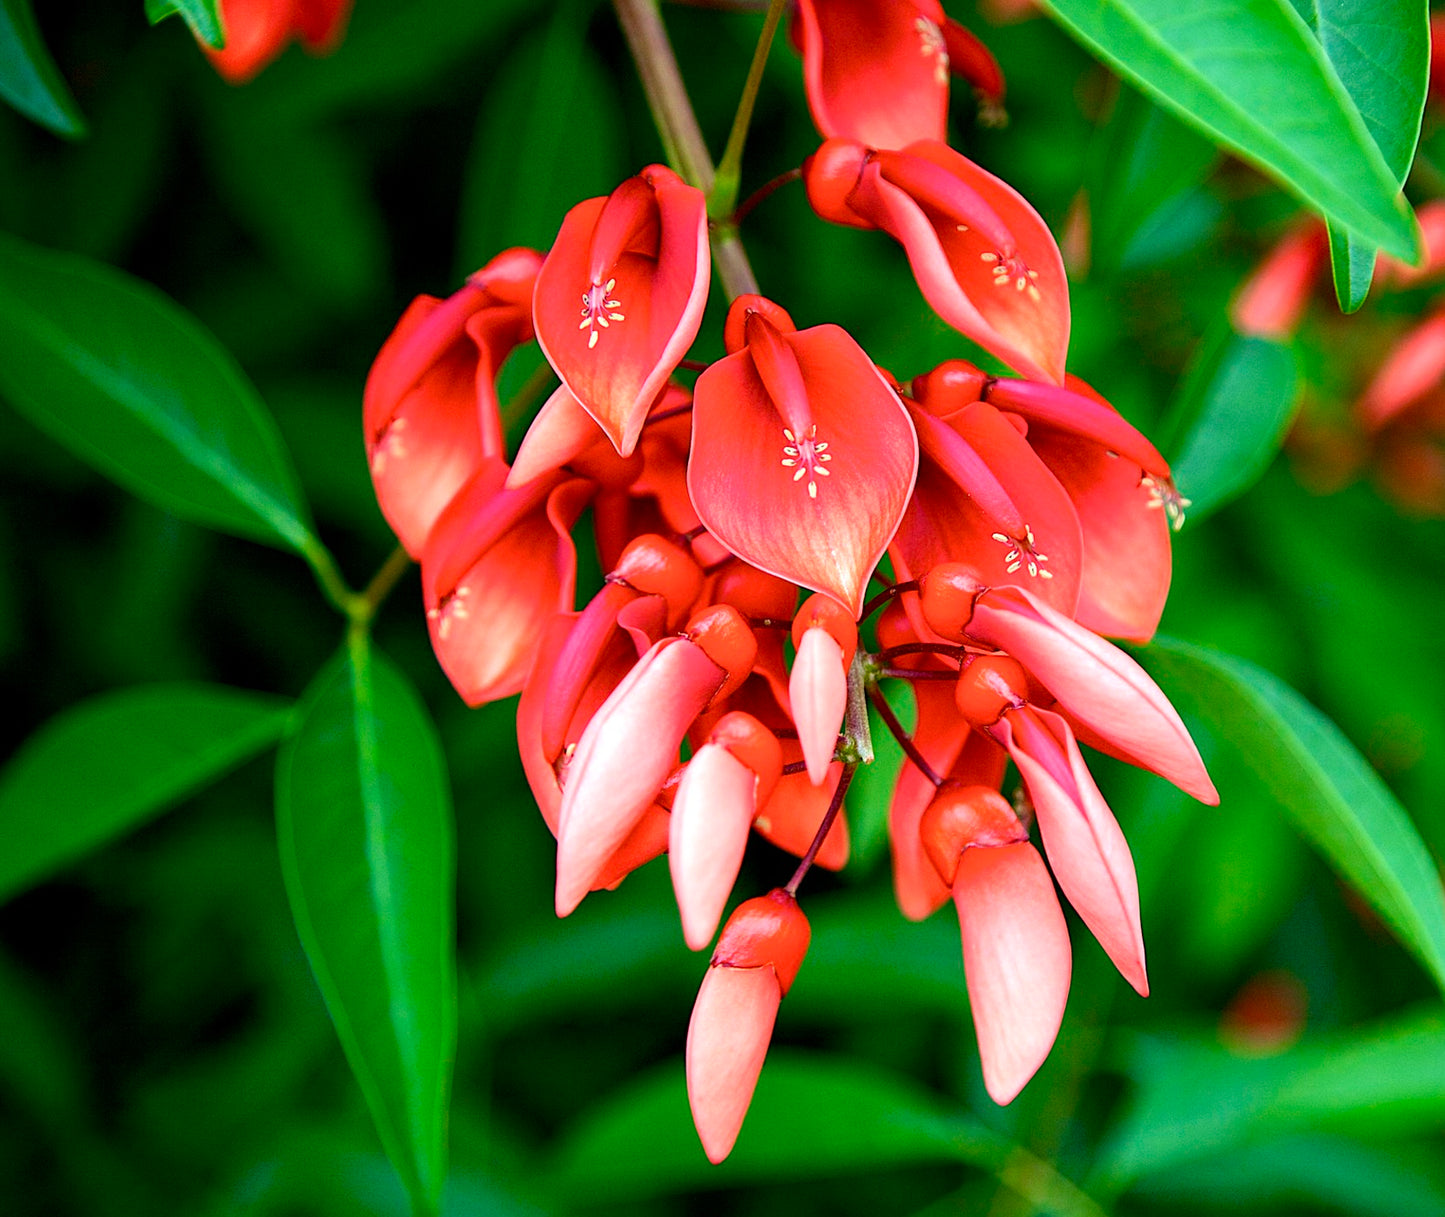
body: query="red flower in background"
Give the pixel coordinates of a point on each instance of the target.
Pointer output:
(257, 31)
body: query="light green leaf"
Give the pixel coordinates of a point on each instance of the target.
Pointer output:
(200, 16)
(1381, 51)
(1229, 417)
(110, 764)
(1193, 1099)
(29, 79)
(1144, 160)
(1332, 796)
(363, 818)
(1251, 76)
(133, 384)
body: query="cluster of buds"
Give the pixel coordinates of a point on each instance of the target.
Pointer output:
(741, 522)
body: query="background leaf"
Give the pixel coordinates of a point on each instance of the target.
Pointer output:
(1193, 1099)
(129, 382)
(200, 17)
(1333, 797)
(29, 79)
(111, 763)
(1229, 417)
(1251, 77)
(364, 823)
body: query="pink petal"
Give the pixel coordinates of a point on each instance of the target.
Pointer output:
(711, 817)
(1017, 960)
(818, 693)
(623, 758)
(819, 523)
(1085, 845)
(727, 1041)
(1096, 683)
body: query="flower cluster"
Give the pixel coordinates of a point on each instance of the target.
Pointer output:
(741, 523)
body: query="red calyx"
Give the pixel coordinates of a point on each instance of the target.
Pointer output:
(987, 686)
(766, 931)
(961, 817)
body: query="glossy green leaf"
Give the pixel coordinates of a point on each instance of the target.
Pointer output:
(364, 824)
(1332, 796)
(1381, 52)
(1229, 417)
(532, 158)
(1193, 1099)
(1250, 75)
(199, 15)
(1352, 266)
(1144, 160)
(110, 764)
(29, 79)
(131, 383)
(810, 1117)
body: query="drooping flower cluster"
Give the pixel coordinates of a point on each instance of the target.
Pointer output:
(743, 520)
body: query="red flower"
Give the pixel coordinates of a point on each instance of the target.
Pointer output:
(258, 30)
(983, 258)
(430, 408)
(877, 70)
(621, 294)
(803, 457)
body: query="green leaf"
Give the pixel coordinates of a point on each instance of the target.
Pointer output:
(131, 383)
(1229, 417)
(1251, 76)
(1380, 50)
(1193, 1099)
(1352, 263)
(810, 1117)
(199, 15)
(110, 764)
(29, 79)
(1333, 797)
(532, 158)
(364, 825)
(1144, 159)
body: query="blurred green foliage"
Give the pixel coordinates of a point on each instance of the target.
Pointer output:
(163, 1046)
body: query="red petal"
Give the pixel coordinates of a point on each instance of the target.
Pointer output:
(875, 70)
(956, 269)
(620, 357)
(727, 1041)
(1017, 960)
(792, 814)
(1086, 848)
(823, 520)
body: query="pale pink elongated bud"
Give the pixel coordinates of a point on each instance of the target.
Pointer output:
(1016, 958)
(620, 297)
(1085, 845)
(624, 756)
(1414, 367)
(1095, 683)
(756, 959)
(826, 637)
(561, 430)
(723, 786)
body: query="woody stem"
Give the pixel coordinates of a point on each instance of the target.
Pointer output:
(722, 198)
(682, 139)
